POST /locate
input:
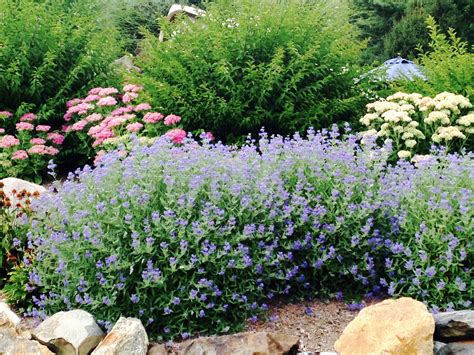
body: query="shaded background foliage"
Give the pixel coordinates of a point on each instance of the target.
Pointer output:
(396, 26)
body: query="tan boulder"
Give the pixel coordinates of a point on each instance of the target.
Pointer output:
(12, 344)
(127, 337)
(402, 326)
(8, 319)
(260, 343)
(71, 333)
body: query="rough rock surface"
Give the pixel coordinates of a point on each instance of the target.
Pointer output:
(127, 337)
(73, 332)
(12, 186)
(7, 317)
(158, 349)
(261, 343)
(402, 326)
(454, 326)
(457, 348)
(12, 344)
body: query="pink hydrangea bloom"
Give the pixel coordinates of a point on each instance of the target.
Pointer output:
(9, 141)
(208, 135)
(107, 91)
(2, 130)
(171, 120)
(94, 117)
(107, 101)
(129, 97)
(42, 149)
(116, 121)
(20, 155)
(80, 109)
(79, 125)
(153, 117)
(52, 150)
(99, 156)
(43, 128)
(94, 91)
(24, 126)
(132, 88)
(5, 114)
(91, 98)
(37, 141)
(134, 127)
(56, 138)
(142, 107)
(28, 117)
(121, 110)
(177, 135)
(73, 102)
(65, 128)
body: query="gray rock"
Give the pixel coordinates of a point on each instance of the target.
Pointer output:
(438, 347)
(12, 344)
(127, 337)
(454, 326)
(457, 348)
(74, 332)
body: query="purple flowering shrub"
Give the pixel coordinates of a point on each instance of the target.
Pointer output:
(196, 239)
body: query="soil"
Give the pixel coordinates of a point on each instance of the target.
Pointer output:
(318, 324)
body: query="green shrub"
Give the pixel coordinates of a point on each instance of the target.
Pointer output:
(198, 238)
(247, 64)
(447, 64)
(51, 50)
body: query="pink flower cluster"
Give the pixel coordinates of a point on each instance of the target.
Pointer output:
(110, 115)
(5, 114)
(42, 149)
(176, 135)
(9, 141)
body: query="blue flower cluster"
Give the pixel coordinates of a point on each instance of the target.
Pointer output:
(199, 238)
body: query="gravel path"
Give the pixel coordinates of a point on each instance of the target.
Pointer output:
(318, 324)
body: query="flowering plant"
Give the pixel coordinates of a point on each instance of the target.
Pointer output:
(26, 148)
(198, 238)
(106, 118)
(413, 122)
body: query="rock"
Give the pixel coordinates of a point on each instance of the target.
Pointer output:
(73, 332)
(457, 348)
(12, 344)
(127, 337)
(260, 343)
(454, 326)
(402, 326)
(158, 349)
(8, 319)
(438, 347)
(126, 62)
(12, 187)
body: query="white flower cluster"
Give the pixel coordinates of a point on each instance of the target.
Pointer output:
(407, 119)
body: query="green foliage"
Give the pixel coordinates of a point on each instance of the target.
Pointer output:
(51, 50)
(447, 64)
(247, 64)
(396, 26)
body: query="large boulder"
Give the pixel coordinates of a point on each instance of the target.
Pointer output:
(13, 344)
(402, 326)
(454, 326)
(13, 189)
(127, 337)
(261, 343)
(8, 319)
(73, 332)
